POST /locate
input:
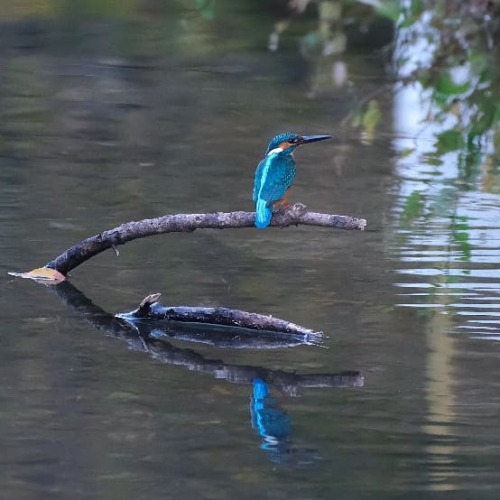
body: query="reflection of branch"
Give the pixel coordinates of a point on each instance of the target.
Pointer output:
(364, 100)
(291, 383)
(293, 216)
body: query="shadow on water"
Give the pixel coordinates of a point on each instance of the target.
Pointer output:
(270, 422)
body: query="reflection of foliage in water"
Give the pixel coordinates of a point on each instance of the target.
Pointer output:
(445, 56)
(459, 74)
(412, 208)
(458, 79)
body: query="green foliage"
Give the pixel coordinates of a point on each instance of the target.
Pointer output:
(372, 116)
(450, 140)
(468, 104)
(413, 208)
(411, 14)
(444, 85)
(390, 9)
(460, 235)
(206, 8)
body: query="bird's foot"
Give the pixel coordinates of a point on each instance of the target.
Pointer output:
(282, 207)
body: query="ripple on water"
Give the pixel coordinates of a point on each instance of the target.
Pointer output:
(451, 266)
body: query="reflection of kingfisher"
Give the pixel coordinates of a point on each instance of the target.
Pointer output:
(272, 424)
(276, 173)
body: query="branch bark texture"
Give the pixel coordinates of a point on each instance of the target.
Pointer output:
(293, 216)
(151, 309)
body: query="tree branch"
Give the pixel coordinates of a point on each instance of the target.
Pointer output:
(247, 329)
(293, 216)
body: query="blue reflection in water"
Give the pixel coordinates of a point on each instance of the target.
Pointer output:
(271, 423)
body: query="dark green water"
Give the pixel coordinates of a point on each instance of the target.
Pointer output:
(105, 121)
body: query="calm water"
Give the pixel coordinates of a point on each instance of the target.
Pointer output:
(91, 138)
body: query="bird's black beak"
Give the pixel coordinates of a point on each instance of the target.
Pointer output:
(314, 138)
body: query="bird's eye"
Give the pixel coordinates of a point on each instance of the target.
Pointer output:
(294, 140)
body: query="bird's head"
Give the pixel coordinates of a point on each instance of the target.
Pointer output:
(289, 142)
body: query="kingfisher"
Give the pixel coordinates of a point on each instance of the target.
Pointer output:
(276, 173)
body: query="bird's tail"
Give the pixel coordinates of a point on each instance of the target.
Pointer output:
(263, 214)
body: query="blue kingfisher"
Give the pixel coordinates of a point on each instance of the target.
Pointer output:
(276, 173)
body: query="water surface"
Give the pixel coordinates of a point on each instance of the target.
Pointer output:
(103, 123)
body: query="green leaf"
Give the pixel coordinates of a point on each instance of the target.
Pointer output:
(450, 140)
(445, 85)
(405, 152)
(460, 234)
(371, 117)
(413, 207)
(390, 9)
(432, 159)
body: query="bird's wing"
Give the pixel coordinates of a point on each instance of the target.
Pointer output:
(258, 178)
(272, 179)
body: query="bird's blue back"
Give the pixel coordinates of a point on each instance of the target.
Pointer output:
(276, 173)
(273, 177)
